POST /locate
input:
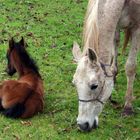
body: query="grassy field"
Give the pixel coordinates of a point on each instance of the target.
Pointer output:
(50, 27)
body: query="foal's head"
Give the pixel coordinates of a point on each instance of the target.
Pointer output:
(18, 58)
(89, 80)
(12, 56)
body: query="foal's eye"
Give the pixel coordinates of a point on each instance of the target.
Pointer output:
(93, 86)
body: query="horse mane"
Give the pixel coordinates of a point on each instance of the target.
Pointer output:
(91, 33)
(26, 59)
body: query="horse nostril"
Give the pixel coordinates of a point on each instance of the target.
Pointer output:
(84, 126)
(95, 125)
(93, 86)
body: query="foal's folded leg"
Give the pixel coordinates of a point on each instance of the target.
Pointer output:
(13, 108)
(15, 111)
(33, 106)
(14, 105)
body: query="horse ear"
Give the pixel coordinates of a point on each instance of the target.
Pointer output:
(11, 43)
(92, 55)
(22, 43)
(77, 54)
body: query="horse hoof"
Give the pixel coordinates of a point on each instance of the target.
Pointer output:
(128, 111)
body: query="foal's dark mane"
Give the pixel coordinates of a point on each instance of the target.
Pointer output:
(26, 59)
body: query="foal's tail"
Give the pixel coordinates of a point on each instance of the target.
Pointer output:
(18, 109)
(127, 35)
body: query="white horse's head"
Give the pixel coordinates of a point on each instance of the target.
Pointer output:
(91, 85)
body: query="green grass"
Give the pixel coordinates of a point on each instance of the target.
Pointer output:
(50, 27)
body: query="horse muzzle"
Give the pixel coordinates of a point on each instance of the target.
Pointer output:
(85, 127)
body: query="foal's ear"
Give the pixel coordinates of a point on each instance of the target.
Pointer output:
(11, 43)
(77, 54)
(92, 55)
(22, 43)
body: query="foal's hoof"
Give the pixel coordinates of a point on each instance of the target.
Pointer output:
(128, 111)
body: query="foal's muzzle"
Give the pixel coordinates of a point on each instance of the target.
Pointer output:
(10, 71)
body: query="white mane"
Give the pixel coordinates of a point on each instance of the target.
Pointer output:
(90, 35)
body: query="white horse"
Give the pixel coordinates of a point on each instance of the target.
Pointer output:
(96, 64)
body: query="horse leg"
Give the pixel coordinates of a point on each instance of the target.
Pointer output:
(130, 69)
(115, 54)
(114, 63)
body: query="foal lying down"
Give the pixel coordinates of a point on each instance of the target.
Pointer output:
(21, 98)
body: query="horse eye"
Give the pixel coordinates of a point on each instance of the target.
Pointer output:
(93, 86)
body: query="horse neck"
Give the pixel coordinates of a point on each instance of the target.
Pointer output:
(21, 69)
(99, 29)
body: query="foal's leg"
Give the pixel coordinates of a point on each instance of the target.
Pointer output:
(33, 106)
(13, 99)
(17, 93)
(131, 71)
